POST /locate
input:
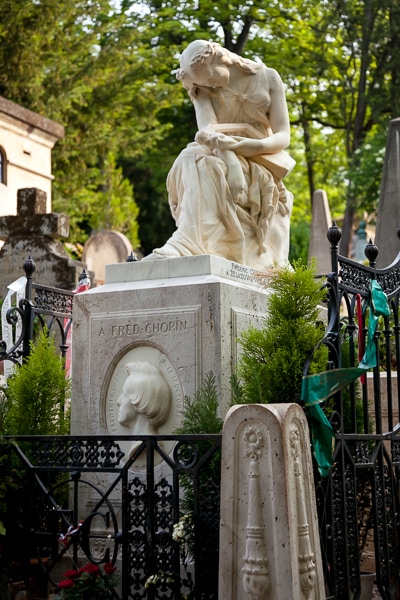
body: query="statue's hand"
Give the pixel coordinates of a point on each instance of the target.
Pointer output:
(215, 140)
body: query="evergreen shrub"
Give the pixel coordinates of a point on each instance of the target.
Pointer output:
(270, 368)
(37, 392)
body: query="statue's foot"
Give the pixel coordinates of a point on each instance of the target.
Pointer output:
(156, 256)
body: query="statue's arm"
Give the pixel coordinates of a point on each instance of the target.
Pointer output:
(205, 114)
(279, 122)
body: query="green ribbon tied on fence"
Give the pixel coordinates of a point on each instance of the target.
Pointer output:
(321, 386)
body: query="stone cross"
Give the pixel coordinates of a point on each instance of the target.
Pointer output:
(388, 217)
(33, 232)
(32, 219)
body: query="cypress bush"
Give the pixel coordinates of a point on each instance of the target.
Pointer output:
(37, 392)
(271, 365)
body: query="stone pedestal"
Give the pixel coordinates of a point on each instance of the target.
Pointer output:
(182, 315)
(269, 538)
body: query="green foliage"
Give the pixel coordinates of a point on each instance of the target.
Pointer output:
(95, 69)
(11, 479)
(201, 416)
(8, 479)
(105, 70)
(37, 393)
(365, 172)
(114, 201)
(299, 241)
(4, 407)
(271, 367)
(201, 411)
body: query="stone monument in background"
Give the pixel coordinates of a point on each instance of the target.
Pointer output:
(320, 223)
(388, 217)
(105, 248)
(36, 233)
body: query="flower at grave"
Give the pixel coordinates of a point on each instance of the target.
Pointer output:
(182, 531)
(109, 568)
(183, 535)
(90, 582)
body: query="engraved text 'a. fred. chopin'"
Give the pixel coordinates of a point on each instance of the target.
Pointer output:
(148, 328)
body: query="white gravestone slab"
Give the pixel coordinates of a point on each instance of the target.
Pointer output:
(388, 214)
(105, 248)
(269, 538)
(321, 221)
(10, 333)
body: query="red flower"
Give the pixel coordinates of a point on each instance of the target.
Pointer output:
(109, 568)
(66, 584)
(90, 568)
(71, 574)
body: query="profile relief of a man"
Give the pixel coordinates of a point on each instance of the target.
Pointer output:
(145, 402)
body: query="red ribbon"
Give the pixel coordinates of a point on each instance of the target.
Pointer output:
(63, 539)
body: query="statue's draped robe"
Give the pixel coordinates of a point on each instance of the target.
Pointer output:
(254, 232)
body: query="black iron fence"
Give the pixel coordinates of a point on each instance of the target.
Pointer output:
(359, 502)
(42, 307)
(155, 515)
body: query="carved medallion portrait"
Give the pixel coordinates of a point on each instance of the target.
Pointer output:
(144, 397)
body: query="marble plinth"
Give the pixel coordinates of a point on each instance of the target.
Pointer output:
(183, 315)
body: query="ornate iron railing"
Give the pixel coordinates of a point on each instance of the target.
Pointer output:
(81, 500)
(42, 307)
(359, 502)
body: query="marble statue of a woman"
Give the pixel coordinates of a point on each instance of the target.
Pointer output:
(225, 189)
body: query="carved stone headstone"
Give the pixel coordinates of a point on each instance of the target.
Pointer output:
(33, 232)
(105, 248)
(321, 221)
(269, 535)
(388, 217)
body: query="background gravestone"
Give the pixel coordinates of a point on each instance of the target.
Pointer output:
(321, 221)
(388, 218)
(105, 248)
(33, 232)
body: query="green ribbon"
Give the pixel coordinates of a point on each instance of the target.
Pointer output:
(321, 386)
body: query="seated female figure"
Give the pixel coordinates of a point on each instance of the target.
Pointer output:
(225, 189)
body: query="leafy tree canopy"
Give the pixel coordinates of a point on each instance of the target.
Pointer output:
(106, 71)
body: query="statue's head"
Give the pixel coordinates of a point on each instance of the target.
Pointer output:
(206, 64)
(198, 63)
